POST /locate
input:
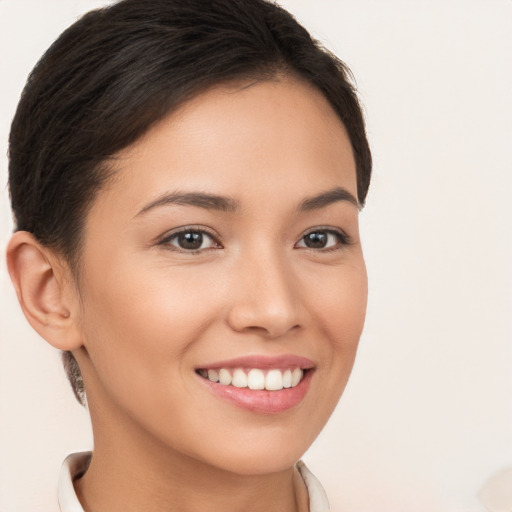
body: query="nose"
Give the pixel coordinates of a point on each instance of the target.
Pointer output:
(264, 298)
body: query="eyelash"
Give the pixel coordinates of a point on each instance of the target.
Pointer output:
(167, 240)
(342, 238)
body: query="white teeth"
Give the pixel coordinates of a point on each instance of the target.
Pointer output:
(287, 379)
(296, 376)
(256, 379)
(239, 379)
(224, 377)
(272, 380)
(213, 375)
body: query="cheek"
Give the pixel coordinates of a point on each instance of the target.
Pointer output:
(140, 335)
(341, 303)
(137, 325)
(341, 311)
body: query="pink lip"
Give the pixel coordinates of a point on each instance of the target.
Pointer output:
(262, 401)
(262, 362)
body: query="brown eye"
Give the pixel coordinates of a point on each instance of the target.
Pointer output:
(191, 240)
(323, 239)
(317, 240)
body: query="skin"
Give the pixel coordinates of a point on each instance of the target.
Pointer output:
(146, 313)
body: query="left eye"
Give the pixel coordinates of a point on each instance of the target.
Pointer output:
(191, 240)
(322, 239)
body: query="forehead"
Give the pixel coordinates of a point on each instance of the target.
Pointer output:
(243, 140)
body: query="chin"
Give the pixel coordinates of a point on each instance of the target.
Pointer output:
(258, 461)
(264, 450)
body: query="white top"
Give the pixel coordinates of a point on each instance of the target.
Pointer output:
(77, 463)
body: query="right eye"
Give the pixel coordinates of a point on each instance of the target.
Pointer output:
(191, 240)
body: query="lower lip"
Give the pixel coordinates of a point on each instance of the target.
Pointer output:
(262, 401)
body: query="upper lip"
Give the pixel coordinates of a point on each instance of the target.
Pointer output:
(262, 361)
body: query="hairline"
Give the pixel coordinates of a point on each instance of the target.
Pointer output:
(238, 82)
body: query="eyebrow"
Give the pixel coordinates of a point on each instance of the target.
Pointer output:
(230, 205)
(326, 198)
(199, 199)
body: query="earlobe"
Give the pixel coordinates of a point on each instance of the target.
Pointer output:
(43, 291)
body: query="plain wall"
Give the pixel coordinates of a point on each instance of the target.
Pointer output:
(427, 415)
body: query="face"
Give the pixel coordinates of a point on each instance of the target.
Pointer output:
(226, 247)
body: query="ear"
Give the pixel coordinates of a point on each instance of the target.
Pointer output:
(45, 290)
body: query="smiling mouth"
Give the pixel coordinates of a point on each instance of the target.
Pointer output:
(255, 378)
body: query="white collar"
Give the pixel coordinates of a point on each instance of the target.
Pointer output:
(76, 464)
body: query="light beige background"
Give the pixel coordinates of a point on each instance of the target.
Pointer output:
(427, 416)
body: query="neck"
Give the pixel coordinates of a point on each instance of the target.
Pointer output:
(130, 472)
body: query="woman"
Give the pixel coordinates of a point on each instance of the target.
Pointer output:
(186, 179)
